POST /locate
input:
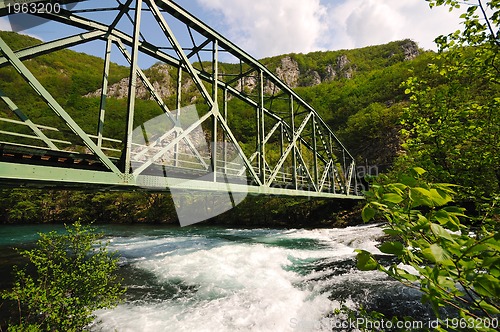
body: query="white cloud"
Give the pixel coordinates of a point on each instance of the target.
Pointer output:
(265, 28)
(358, 23)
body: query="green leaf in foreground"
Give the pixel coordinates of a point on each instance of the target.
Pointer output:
(368, 213)
(394, 248)
(365, 261)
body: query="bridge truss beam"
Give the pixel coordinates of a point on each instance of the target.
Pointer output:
(288, 150)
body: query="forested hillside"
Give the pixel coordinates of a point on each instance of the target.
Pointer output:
(346, 87)
(365, 95)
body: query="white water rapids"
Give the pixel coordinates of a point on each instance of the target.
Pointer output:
(215, 279)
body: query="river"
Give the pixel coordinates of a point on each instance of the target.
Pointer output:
(220, 279)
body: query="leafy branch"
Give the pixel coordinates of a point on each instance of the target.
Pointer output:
(457, 263)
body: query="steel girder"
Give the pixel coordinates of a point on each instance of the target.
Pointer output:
(291, 150)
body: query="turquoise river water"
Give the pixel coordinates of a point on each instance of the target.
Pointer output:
(219, 279)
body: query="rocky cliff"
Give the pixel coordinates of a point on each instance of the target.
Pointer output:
(342, 65)
(159, 76)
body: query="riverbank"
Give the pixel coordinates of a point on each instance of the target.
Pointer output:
(23, 206)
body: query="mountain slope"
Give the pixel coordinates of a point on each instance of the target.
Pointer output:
(357, 92)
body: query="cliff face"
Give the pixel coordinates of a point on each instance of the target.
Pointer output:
(411, 50)
(337, 66)
(159, 77)
(289, 72)
(342, 68)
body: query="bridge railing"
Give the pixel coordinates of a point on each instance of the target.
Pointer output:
(287, 143)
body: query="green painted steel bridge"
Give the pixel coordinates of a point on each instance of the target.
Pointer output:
(187, 141)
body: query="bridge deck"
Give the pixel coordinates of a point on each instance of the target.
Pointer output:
(42, 168)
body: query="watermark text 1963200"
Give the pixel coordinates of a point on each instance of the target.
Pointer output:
(27, 14)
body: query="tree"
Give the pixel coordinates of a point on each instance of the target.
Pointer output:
(451, 258)
(452, 127)
(74, 276)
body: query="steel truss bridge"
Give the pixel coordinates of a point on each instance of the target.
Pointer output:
(190, 141)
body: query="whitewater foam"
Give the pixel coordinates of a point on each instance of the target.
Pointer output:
(247, 285)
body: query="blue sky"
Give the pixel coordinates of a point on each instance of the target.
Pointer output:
(271, 27)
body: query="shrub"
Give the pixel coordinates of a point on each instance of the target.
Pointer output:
(74, 276)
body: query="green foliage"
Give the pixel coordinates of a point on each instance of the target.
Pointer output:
(481, 21)
(75, 275)
(372, 133)
(17, 43)
(456, 257)
(363, 60)
(45, 206)
(364, 111)
(452, 127)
